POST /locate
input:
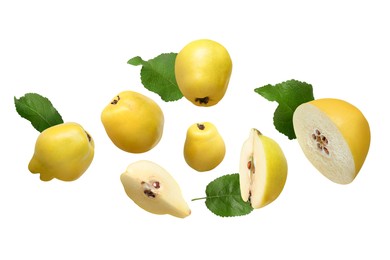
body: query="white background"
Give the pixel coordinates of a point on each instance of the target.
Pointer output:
(75, 53)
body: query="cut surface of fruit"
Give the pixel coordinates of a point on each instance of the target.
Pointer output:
(152, 188)
(334, 136)
(263, 170)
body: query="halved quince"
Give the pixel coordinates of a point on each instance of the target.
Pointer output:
(335, 137)
(263, 170)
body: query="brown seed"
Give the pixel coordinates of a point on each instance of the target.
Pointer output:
(326, 150)
(318, 132)
(149, 193)
(314, 136)
(156, 184)
(249, 165)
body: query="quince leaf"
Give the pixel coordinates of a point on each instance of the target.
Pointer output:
(289, 95)
(38, 110)
(158, 75)
(223, 197)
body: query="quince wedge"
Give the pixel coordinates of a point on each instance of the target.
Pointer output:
(153, 189)
(334, 136)
(63, 151)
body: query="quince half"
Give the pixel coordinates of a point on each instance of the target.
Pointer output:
(334, 136)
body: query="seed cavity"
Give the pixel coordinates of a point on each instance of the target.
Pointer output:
(321, 141)
(151, 188)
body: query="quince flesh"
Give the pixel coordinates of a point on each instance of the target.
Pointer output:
(63, 151)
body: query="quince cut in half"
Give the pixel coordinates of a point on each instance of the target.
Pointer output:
(152, 188)
(263, 170)
(334, 136)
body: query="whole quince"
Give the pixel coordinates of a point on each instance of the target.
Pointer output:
(204, 147)
(133, 122)
(63, 151)
(202, 70)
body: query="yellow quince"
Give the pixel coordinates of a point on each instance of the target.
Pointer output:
(133, 122)
(202, 70)
(63, 151)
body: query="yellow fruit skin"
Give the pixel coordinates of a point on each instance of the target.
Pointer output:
(204, 149)
(202, 69)
(351, 123)
(133, 122)
(276, 172)
(63, 152)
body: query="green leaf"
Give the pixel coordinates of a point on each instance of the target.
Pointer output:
(289, 95)
(223, 197)
(158, 75)
(38, 110)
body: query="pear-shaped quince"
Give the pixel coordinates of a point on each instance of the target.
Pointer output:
(335, 137)
(263, 170)
(152, 188)
(63, 151)
(133, 122)
(202, 70)
(204, 148)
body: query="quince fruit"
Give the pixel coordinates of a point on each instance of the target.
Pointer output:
(133, 122)
(204, 147)
(63, 151)
(153, 189)
(334, 136)
(263, 170)
(202, 70)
